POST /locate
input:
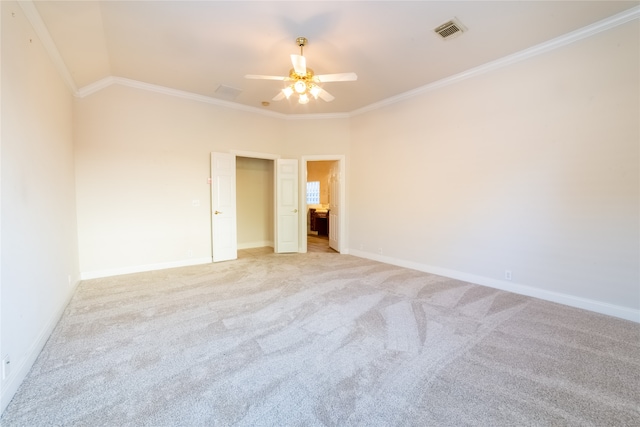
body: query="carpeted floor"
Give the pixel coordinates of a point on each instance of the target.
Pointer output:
(322, 339)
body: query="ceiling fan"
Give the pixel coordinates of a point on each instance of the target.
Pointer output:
(302, 82)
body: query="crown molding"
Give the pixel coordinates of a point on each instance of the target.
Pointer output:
(112, 80)
(582, 33)
(34, 18)
(95, 87)
(326, 116)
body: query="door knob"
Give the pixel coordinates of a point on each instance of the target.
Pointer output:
(216, 212)
(295, 211)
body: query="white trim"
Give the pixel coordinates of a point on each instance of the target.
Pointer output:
(326, 116)
(582, 33)
(95, 87)
(87, 275)
(251, 245)
(557, 297)
(40, 28)
(255, 155)
(20, 368)
(108, 81)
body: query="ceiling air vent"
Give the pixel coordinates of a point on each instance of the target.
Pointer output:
(228, 92)
(450, 29)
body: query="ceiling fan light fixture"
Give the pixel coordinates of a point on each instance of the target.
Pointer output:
(302, 81)
(300, 86)
(315, 91)
(288, 91)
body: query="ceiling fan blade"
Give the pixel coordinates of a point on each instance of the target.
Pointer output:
(259, 77)
(299, 64)
(326, 96)
(280, 96)
(339, 77)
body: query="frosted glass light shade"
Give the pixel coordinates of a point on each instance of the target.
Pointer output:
(300, 86)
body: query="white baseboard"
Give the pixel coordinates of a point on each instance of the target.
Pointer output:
(251, 245)
(21, 367)
(86, 275)
(557, 297)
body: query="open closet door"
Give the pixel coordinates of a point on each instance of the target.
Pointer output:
(223, 207)
(334, 207)
(286, 206)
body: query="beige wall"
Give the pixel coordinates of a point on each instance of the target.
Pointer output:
(532, 168)
(39, 260)
(304, 137)
(142, 159)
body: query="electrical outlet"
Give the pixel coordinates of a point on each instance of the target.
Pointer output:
(507, 274)
(6, 367)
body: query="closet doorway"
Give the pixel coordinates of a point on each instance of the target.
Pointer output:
(255, 203)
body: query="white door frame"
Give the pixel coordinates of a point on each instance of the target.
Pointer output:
(342, 230)
(255, 155)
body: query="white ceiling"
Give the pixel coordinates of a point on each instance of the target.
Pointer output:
(196, 46)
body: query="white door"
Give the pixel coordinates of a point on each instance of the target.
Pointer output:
(223, 207)
(286, 206)
(334, 207)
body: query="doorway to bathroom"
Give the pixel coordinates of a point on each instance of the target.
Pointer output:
(324, 198)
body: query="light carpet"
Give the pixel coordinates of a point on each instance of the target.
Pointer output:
(322, 339)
